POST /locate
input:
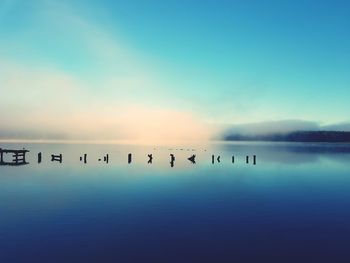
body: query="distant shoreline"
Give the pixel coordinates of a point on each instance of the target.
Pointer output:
(297, 136)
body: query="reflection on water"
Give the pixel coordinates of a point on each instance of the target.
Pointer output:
(290, 207)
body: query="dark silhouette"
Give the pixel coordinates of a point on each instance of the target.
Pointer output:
(247, 159)
(56, 158)
(192, 159)
(172, 160)
(19, 157)
(105, 158)
(85, 158)
(213, 159)
(150, 160)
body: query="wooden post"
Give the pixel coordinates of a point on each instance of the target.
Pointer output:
(1, 156)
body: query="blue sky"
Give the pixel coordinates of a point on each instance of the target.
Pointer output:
(219, 62)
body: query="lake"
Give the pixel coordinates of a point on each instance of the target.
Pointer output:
(292, 206)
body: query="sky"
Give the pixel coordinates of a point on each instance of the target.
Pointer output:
(150, 70)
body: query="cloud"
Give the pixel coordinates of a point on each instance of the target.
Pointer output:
(59, 38)
(40, 103)
(112, 94)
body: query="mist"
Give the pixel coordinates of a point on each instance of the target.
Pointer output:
(280, 127)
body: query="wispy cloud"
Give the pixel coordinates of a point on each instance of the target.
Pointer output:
(120, 99)
(63, 74)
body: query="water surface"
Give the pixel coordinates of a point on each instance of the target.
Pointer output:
(292, 206)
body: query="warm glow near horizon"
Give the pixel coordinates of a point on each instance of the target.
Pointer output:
(70, 72)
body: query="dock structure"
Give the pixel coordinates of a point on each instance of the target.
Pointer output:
(18, 157)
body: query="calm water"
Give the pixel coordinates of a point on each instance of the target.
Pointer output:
(292, 206)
